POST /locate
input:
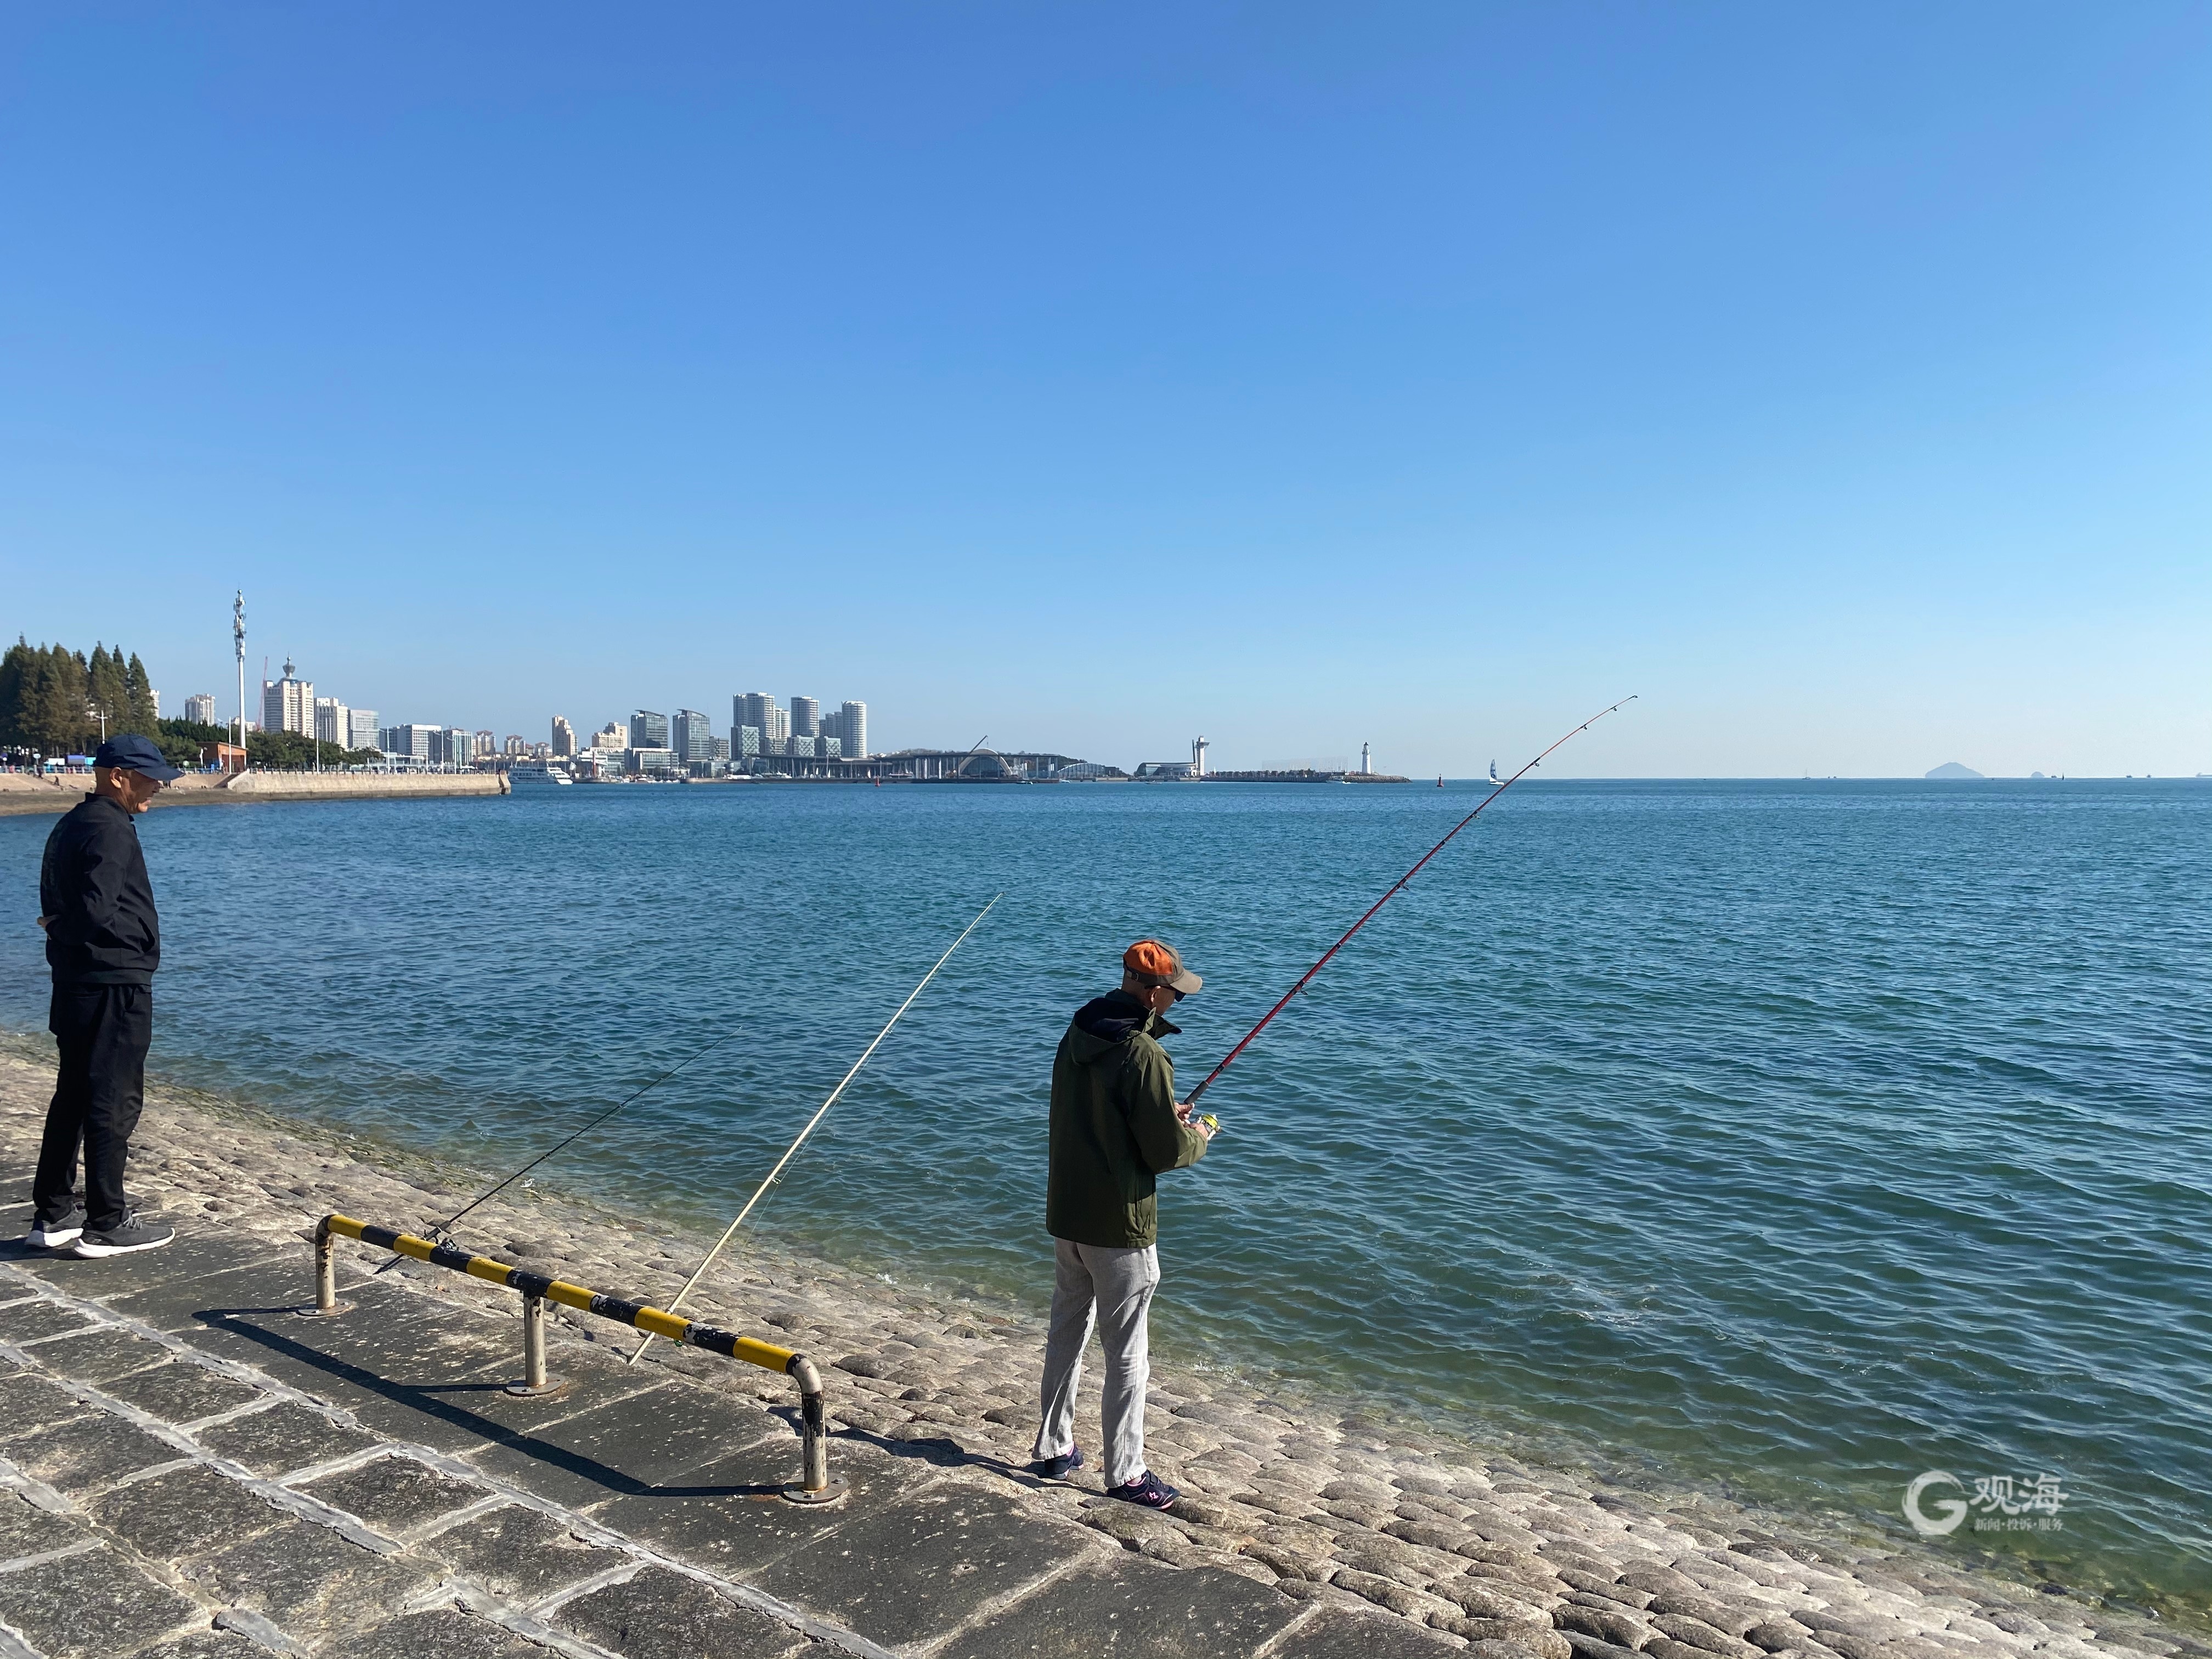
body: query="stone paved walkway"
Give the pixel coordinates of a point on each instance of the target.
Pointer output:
(192, 1471)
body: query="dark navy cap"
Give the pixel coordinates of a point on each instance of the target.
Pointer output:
(131, 753)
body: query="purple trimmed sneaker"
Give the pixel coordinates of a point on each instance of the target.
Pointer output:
(1058, 1469)
(1147, 1489)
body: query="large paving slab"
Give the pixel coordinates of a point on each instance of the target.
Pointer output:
(630, 1444)
(90, 1606)
(288, 1435)
(728, 1517)
(190, 1257)
(917, 1570)
(659, 1615)
(1133, 1608)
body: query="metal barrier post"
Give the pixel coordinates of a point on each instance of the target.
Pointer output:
(327, 1305)
(534, 1379)
(814, 1485)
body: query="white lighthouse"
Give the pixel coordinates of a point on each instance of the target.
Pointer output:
(1198, 748)
(1364, 769)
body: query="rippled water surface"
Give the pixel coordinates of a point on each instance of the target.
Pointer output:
(1795, 1137)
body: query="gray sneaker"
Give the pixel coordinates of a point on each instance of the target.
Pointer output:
(53, 1235)
(134, 1234)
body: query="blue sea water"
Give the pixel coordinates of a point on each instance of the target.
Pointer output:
(1788, 1137)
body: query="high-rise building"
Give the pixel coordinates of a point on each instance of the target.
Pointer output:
(612, 735)
(408, 742)
(691, 736)
(360, 729)
(648, 729)
(849, 725)
(828, 748)
(289, 704)
(331, 723)
(200, 709)
(759, 710)
(564, 739)
(805, 717)
(487, 745)
(745, 743)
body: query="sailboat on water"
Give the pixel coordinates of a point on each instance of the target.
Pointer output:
(1494, 778)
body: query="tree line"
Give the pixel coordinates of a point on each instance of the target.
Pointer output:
(52, 701)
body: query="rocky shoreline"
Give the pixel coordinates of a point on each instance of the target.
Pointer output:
(1319, 1503)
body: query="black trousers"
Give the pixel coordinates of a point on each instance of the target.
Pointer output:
(104, 1031)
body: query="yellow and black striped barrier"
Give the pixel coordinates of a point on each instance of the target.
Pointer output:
(815, 1485)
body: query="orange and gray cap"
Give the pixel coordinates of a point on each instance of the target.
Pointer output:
(1157, 964)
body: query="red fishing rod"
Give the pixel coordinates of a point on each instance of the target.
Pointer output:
(1306, 978)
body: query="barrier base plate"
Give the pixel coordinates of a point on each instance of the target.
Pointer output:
(332, 1312)
(551, 1389)
(836, 1489)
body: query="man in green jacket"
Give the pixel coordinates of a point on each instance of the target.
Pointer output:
(1115, 1126)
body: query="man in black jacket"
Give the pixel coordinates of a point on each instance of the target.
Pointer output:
(103, 943)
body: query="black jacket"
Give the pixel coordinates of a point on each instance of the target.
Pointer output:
(100, 929)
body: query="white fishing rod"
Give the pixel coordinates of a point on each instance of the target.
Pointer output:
(792, 1151)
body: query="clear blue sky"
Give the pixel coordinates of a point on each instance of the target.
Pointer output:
(1838, 378)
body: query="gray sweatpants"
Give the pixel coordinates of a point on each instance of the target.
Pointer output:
(1114, 1288)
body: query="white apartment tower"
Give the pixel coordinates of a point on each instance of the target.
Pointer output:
(564, 739)
(849, 725)
(200, 709)
(289, 704)
(332, 720)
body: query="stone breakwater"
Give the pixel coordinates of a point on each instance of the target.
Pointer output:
(1318, 1503)
(21, 792)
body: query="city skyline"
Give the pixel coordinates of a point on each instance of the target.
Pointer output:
(1838, 382)
(498, 740)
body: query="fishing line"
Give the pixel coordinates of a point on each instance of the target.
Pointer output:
(791, 1151)
(1396, 888)
(442, 1232)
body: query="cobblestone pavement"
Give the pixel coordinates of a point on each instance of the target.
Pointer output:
(192, 1469)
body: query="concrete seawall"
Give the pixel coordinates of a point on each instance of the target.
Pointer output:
(23, 792)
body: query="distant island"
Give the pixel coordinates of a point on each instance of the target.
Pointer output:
(1951, 769)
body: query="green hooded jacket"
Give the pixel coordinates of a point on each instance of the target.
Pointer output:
(1114, 1126)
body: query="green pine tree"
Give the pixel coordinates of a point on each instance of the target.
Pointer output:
(54, 706)
(141, 716)
(107, 693)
